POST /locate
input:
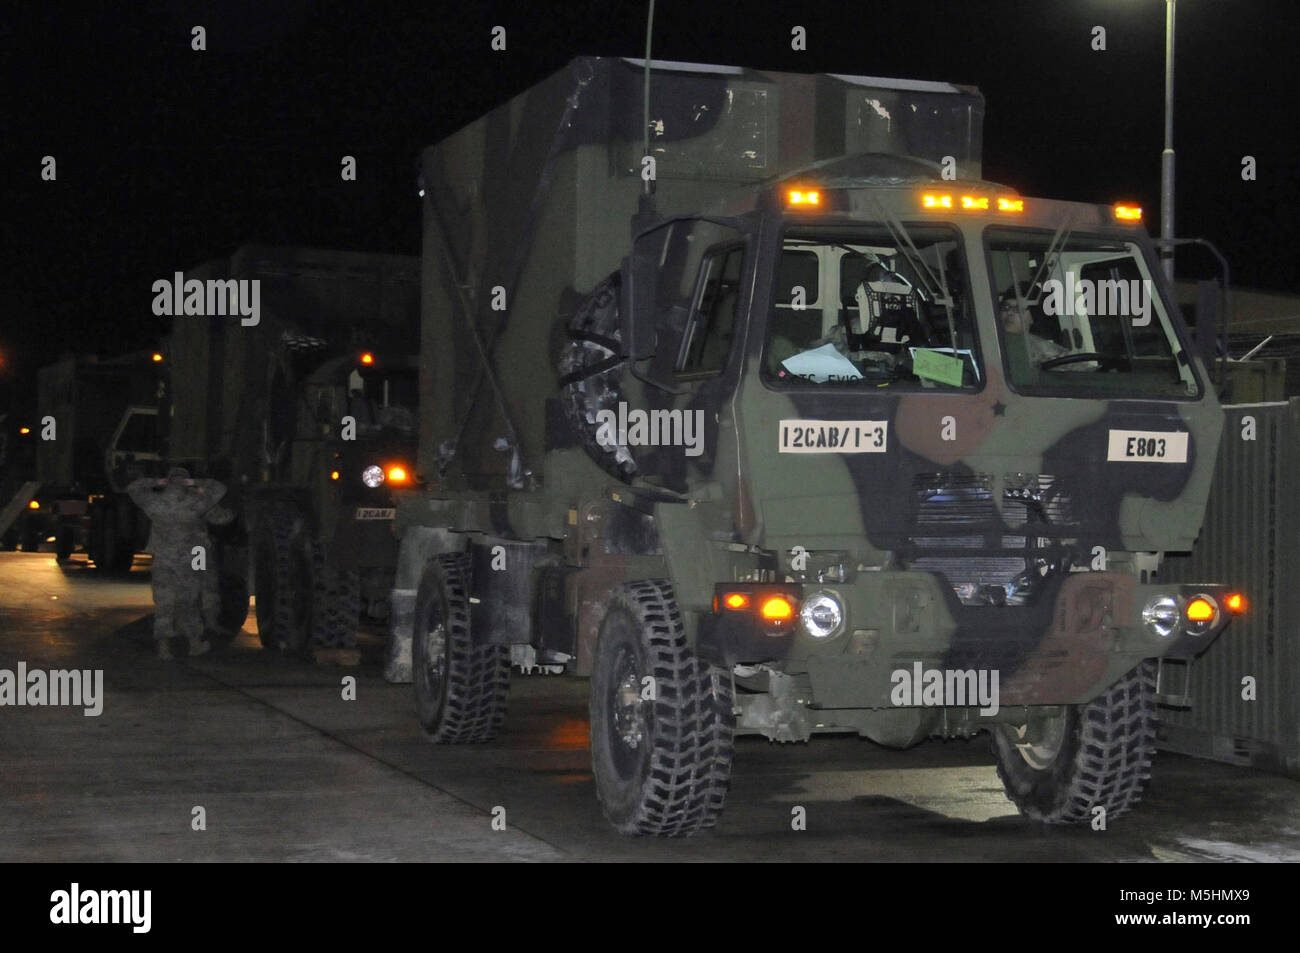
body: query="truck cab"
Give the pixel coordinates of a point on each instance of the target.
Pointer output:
(951, 431)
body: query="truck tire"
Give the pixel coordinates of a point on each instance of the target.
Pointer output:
(336, 607)
(115, 550)
(662, 765)
(282, 580)
(66, 543)
(460, 688)
(233, 612)
(1096, 755)
(590, 368)
(31, 536)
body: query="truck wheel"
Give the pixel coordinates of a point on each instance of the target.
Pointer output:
(282, 580)
(662, 764)
(233, 612)
(123, 554)
(460, 688)
(32, 537)
(336, 609)
(1093, 755)
(590, 368)
(66, 543)
(111, 550)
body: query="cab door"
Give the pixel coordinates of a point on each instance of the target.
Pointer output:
(702, 287)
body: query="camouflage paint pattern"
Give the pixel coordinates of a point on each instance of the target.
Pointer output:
(734, 513)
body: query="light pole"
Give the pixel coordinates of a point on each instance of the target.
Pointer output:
(1167, 156)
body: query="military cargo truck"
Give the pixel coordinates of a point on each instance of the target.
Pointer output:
(104, 436)
(831, 440)
(308, 415)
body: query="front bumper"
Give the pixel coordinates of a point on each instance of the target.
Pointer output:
(364, 537)
(1081, 634)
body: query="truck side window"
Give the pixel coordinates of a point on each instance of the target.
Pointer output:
(707, 340)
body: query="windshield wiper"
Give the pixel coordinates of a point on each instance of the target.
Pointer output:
(1059, 238)
(937, 286)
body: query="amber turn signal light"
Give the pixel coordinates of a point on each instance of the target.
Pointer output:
(777, 609)
(736, 600)
(1200, 610)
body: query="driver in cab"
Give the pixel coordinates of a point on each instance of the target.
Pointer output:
(1017, 325)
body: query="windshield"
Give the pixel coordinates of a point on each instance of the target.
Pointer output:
(377, 399)
(384, 398)
(1082, 314)
(872, 306)
(140, 435)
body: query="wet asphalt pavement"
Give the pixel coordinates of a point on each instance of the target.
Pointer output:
(285, 769)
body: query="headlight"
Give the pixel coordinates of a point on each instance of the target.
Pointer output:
(821, 615)
(1161, 616)
(372, 476)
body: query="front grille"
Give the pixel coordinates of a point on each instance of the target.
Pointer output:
(960, 533)
(1038, 498)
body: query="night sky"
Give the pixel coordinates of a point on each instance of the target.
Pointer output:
(168, 157)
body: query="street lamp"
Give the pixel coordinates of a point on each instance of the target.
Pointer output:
(1167, 156)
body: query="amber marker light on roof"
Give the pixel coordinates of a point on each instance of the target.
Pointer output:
(975, 202)
(1128, 213)
(1011, 205)
(936, 200)
(805, 197)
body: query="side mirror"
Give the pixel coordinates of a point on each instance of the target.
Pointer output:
(1207, 322)
(637, 305)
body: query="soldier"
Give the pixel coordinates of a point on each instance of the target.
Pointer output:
(1017, 322)
(176, 508)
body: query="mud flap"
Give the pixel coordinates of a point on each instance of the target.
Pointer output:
(1172, 680)
(419, 545)
(397, 650)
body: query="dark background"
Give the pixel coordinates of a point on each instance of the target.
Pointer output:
(168, 157)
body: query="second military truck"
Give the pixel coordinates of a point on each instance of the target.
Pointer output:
(307, 414)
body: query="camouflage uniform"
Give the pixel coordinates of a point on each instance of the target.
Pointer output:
(183, 597)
